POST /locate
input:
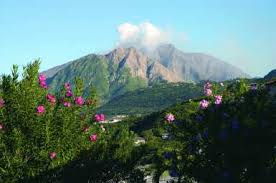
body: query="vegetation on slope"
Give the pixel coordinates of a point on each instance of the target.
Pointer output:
(107, 77)
(147, 100)
(227, 136)
(233, 141)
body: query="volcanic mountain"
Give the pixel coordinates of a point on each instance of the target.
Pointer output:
(127, 69)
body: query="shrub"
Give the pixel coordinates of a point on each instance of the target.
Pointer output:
(231, 139)
(44, 132)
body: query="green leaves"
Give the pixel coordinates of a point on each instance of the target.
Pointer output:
(39, 145)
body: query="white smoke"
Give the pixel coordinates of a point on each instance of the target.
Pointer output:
(144, 35)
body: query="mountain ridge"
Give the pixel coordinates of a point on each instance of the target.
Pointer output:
(270, 75)
(127, 69)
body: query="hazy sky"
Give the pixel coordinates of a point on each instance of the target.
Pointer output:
(240, 32)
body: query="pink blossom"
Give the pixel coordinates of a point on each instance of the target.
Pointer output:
(85, 129)
(51, 98)
(208, 92)
(67, 104)
(207, 85)
(42, 77)
(99, 117)
(1, 126)
(204, 104)
(69, 93)
(67, 86)
(43, 84)
(218, 99)
(42, 81)
(93, 137)
(79, 101)
(52, 155)
(40, 109)
(170, 117)
(2, 102)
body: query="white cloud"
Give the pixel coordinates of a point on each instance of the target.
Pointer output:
(144, 35)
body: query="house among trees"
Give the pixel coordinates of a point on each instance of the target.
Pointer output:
(271, 86)
(117, 118)
(139, 141)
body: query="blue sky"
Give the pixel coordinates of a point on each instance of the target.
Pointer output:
(242, 33)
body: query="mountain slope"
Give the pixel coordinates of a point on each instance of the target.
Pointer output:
(151, 99)
(196, 66)
(127, 69)
(98, 71)
(122, 70)
(271, 74)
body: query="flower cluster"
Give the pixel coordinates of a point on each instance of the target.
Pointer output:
(207, 89)
(208, 92)
(42, 81)
(203, 104)
(170, 117)
(93, 137)
(218, 99)
(99, 117)
(1, 126)
(40, 109)
(79, 101)
(67, 104)
(69, 92)
(51, 98)
(52, 155)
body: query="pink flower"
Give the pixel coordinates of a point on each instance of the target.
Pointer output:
(207, 85)
(42, 81)
(2, 102)
(99, 117)
(170, 117)
(208, 92)
(218, 99)
(1, 126)
(67, 104)
(69, 93)
(204, 104)
(51, 98)
(79, 101)
(43, 84)
(85, 129)
(40, 109)
(93, 137)
(52, 155)
(42, 77)
(67, 86)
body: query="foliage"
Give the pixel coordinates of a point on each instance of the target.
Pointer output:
(226, 136)
(230, 142)
(44, 137)
(151, 99)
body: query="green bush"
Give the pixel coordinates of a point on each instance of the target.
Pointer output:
(229, 142)
(42, 133)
